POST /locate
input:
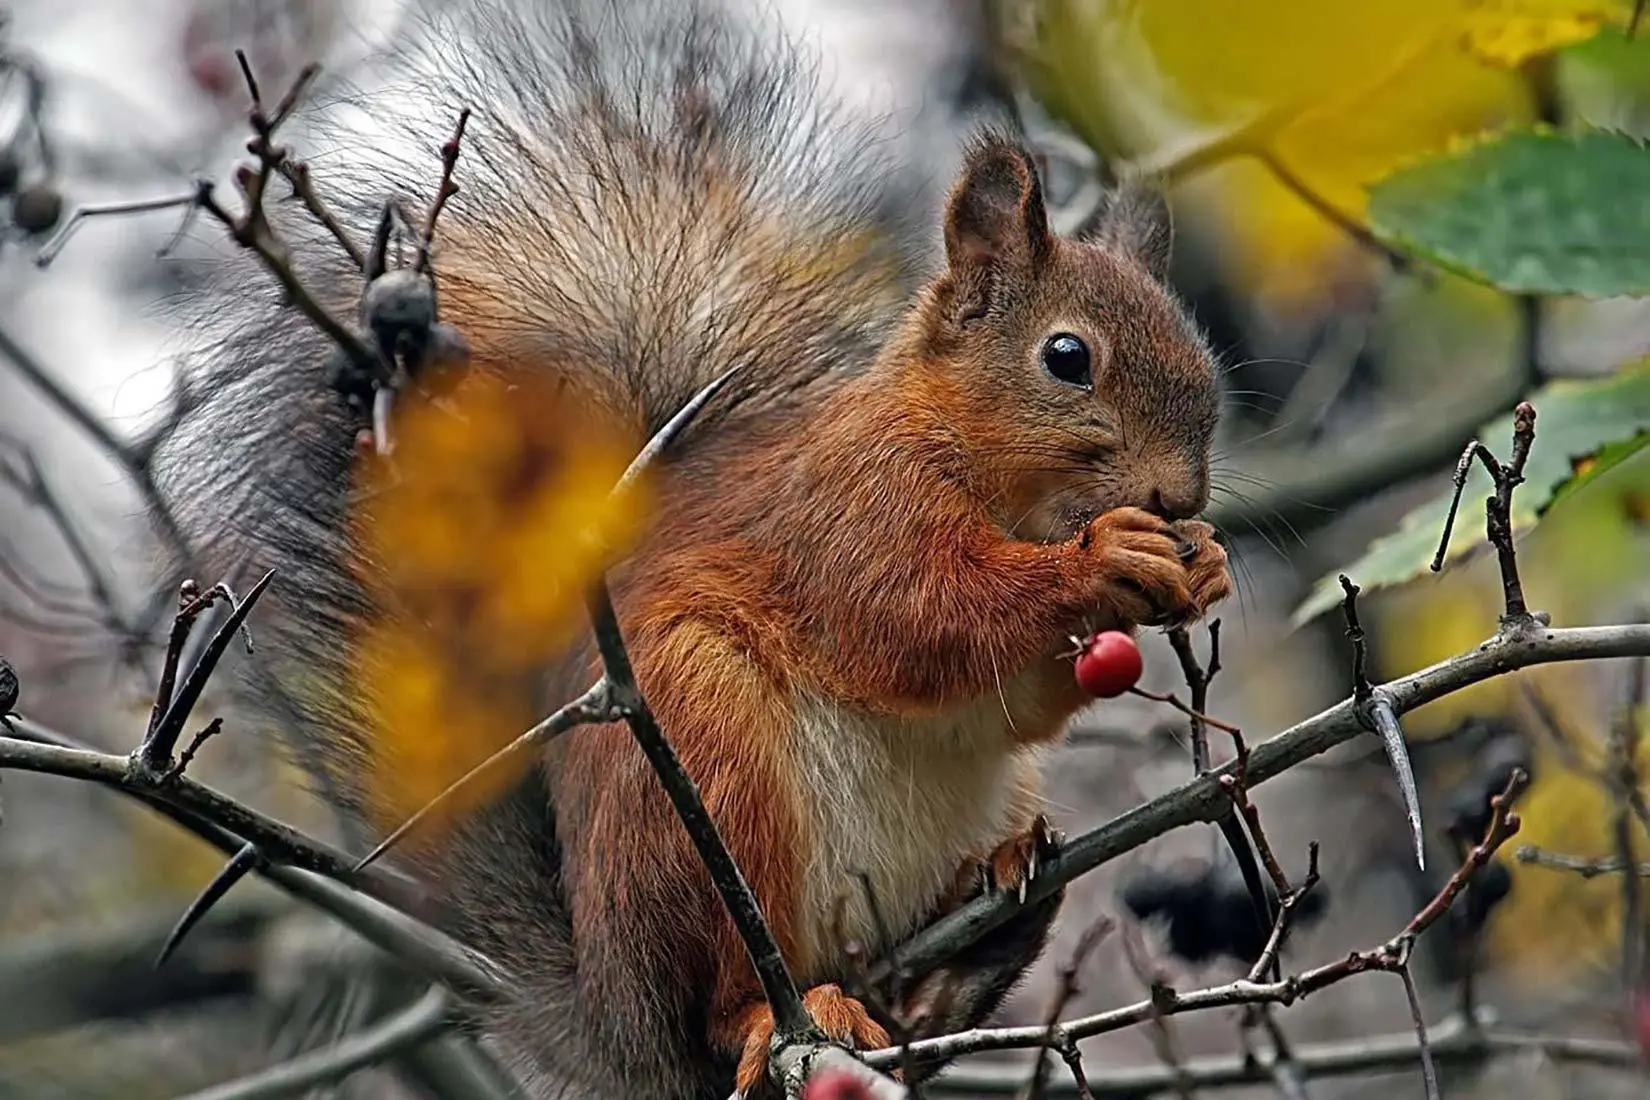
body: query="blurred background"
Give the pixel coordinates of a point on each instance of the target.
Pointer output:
(1361, 354)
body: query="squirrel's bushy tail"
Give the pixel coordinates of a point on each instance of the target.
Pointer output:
(652, 192)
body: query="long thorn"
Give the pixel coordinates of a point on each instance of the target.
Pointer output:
(592, 706)
(665, 436)
(243, 863)
(1385, 719)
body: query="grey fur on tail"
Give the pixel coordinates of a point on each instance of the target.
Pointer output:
(596, 174)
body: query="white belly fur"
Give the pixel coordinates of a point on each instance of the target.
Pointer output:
(903, 801)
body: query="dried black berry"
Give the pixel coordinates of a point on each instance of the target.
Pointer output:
(36, 209)
(9, 687)
(352, 381)
(1469, 801)
(399, 308)
(1208, 912)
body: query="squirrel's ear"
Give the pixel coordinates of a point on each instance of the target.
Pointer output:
(1135, 221)
(995, 213)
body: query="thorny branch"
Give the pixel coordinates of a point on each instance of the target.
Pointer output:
(1391, 956)
(1203, 799)
(1455, 1041)
(1379, 714)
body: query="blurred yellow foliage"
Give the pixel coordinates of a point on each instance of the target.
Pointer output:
(1364, 89)
(1554, 927)
(479, 536)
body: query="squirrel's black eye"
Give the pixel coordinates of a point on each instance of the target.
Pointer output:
(1067, 358)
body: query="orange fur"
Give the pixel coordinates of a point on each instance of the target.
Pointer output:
(837, 614)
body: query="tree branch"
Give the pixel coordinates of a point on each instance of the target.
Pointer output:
(1204, 799)
(1454, 1042)
(418, 1023)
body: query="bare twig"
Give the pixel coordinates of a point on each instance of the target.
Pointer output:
(1287, 1075)
(791, 1019)
(81, 214)
(1382, 718)
(1162, 1032)
(1360, 647)
(303, 185)
(1237, 842)
(154, 754)
(1067, 988)
(1340, 219)
(422, 1021)
(792, 1023)
(1236, 786)
(1498, 509)
(1429, 1073)
(446, 190)
(1624, 772)
(36, 487)
(1287, 905)
(251, 229)
(39, 749)
(134, 463)
(187, 756)
(1576, 865)
(1453, 1042)
(1194, 714)
(1197, 684)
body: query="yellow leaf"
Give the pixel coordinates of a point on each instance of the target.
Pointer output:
(1363, 88)
(1510, 32)
(477, 540)
(1556, 928)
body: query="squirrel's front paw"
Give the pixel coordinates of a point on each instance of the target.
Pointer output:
(1012, 866)
(842, 1018)
(1205, 561)
(1139, 568)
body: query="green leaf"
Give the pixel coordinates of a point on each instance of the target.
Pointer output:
(1593, 466)
(1533, 212)
(1582, 429)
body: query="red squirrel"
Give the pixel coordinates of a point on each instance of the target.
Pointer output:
(954, 441)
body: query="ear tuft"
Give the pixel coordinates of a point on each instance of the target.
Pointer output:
(1135, 221)
(995, 215)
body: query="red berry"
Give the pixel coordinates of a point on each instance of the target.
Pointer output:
(1109, 664)
(835, 1084)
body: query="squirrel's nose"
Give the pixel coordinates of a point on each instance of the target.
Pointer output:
(1177, 502)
